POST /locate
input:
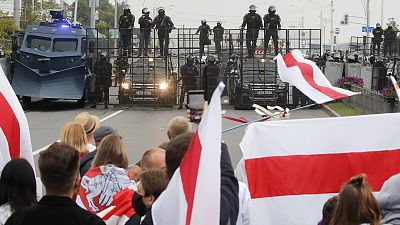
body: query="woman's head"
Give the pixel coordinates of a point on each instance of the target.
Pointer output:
(153, 182)
(74, 135)
(356, 204)
(18, 184)
(111, 150)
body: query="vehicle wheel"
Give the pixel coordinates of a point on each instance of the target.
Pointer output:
(26, 100)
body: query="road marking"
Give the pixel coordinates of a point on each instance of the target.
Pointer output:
(101, 120)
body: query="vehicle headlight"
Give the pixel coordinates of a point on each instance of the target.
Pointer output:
(151, 59)
(125, 85)
(263, 60)
(163, 86)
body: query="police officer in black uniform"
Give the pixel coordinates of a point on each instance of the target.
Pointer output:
(164, 25)
(103, 73)
(254, 23)
(390, 37)
(272, 23)
(126, 23)
(121, 65)
(210, 77)
(189, 74)
(145, 22)
(377, 39)
(204, 31)
(218, 36)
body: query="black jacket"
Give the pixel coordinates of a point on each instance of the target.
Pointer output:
(146, 23)
(218, 33)
(253, 21)
(52, 210)
(272, 22)
(86, 162)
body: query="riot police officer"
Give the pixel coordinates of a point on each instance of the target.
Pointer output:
(103, 73)
(254, 23)
(218, 36)
(126, 23)
(377, 39)
(164, 26)
(210, 77)
(204, 31)
(272, 23)
(189, 74)
(390, 37)
(145, 23)
(121, 65)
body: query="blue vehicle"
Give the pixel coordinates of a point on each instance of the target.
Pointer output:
(49, 61)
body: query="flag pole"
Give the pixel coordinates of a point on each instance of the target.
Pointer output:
(265, 118)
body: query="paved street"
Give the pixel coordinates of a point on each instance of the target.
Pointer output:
(141, 128)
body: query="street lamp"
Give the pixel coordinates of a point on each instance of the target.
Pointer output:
(302, 15)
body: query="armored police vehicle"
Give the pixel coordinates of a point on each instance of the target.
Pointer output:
(49, 60)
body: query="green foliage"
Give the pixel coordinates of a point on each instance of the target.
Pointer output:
(105, 9)
(343, 109)
(83, 11)
(102, 28)
(7, 28)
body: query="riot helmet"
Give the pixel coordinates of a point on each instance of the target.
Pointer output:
(127, 9)
(378, 25)
(272, 9)
(145, 11)
(203, 21)
(390, 27)
(103, 55)
(252, 8)
(189, 60)
(219, 23)
(161, 11)
(211, 60)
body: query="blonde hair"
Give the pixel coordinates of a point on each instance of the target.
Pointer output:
(179, 125)
(111, 150)
(74, 135)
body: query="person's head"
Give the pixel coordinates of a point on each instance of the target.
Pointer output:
(211, 60)
(328, 210)
(102, 132)
(90, 123)
(74, 135)
(378, 25)
(18, 184)
(161, 11)
(177, 126)
(152, 184)
(189, 60)
(103, 56)
(252, 8)
(219, 23)
(272, 10)
(390, 27)
(203, 21)
(134, 172)
(175, 151)
(163, 145)
(127, 9)
(146, 11)
(153, 159)
(111, 150)
(356, 204)
(59, 170)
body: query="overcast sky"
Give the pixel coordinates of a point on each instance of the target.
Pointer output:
(230, 12)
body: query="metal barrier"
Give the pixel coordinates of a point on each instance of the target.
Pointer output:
(156, 78)
(364, 46)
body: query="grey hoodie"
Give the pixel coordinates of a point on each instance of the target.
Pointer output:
(389, 200)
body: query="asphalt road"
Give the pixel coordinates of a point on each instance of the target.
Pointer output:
(140, 128)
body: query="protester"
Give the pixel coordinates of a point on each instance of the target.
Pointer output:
(59, 170)
(175, 151)
(107, 177)
(328, 210)
(152, 184)
(153, 159)
(99, 134)
(74, 135)
(389, 200)
(356, 204)
(17, 188)
(90, 123)
(134, 172)
(177, 126)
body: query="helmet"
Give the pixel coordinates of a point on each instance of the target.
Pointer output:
(103, 55)
(378, 25)
(272, 9)
(211, 59)
(189, 60)
(252, 8)
(145, 11)
(126, 6)
(390, 27)
(161, 10)
(203, 21)
(219, 23)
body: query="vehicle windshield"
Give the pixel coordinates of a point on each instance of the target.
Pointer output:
(65, 45)
(38, 43)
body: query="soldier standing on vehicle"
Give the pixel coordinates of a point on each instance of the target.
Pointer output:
(145, 23)
(377, 39)
(390, 37)
(164, 26)
(210, 77)
(103, 73)
(254, 23)
(189, 74)
(218, 36)
(126, 22)
(204, 31)
(272, 23)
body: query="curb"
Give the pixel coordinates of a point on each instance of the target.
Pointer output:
(330, 112)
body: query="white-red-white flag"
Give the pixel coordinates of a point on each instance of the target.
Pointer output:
(396, 86)
(15, 139)
(193, 193)
(294, 166)
(308, 78)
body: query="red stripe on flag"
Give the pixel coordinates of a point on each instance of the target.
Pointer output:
(189, 169)
(308, 75)
(318, 174)
(10, 126)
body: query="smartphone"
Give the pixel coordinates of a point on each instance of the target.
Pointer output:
(195, 104)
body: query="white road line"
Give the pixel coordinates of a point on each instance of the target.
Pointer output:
(101, 120)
